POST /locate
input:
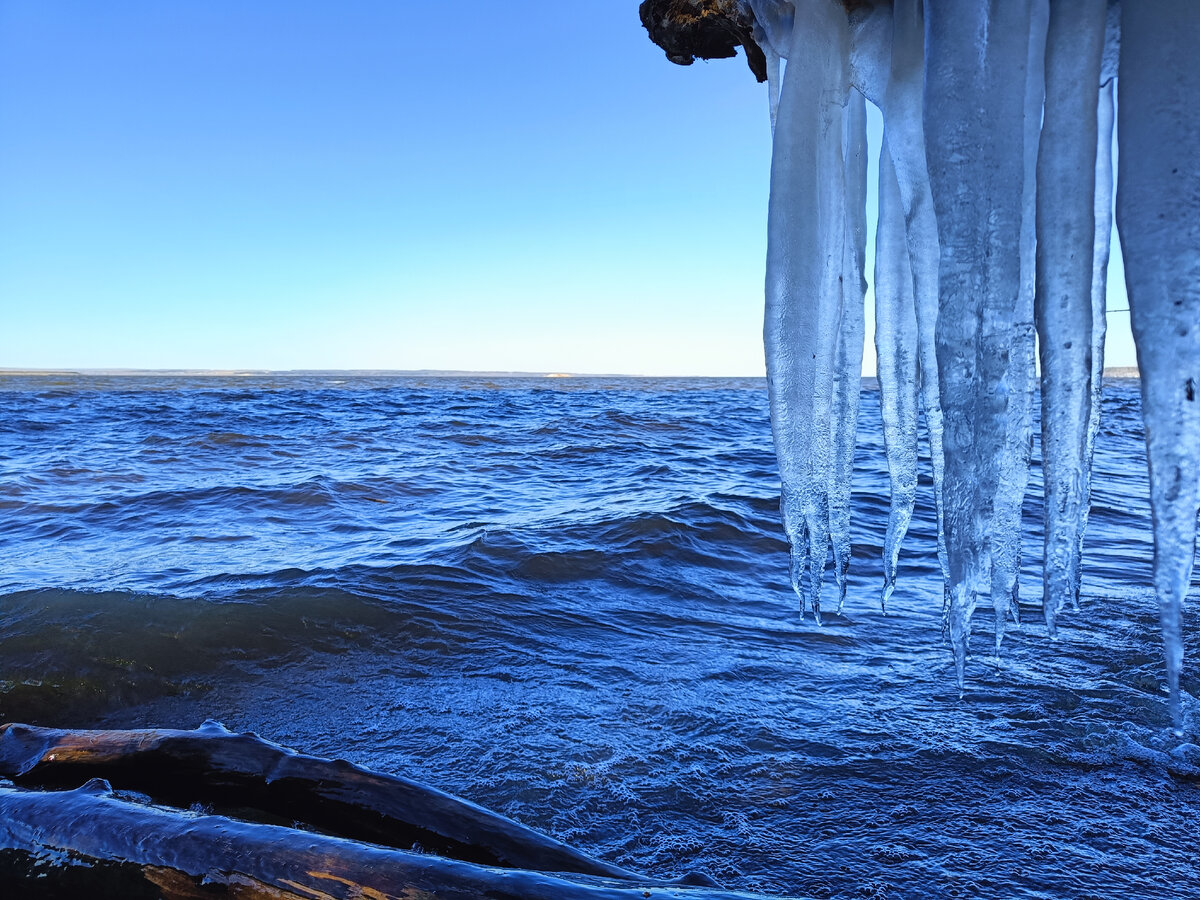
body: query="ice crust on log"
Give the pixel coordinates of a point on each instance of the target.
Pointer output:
(214, 766)
(133, 837)
(998, 120)
(277, 824)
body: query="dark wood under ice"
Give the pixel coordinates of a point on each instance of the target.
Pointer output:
(110, 810)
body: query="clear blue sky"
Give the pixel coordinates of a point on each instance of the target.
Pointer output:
(363, 184)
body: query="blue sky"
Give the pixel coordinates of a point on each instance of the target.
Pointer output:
(364, 185)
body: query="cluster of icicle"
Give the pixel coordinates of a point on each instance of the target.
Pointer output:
(995, 210)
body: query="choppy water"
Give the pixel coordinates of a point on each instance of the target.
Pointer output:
(567, 600)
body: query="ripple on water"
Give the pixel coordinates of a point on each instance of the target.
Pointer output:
(569, 602)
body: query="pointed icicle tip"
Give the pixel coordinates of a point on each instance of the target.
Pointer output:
(795, 572)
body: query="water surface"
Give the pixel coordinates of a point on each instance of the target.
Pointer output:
(567, 599)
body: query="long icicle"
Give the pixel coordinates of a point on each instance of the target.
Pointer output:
(1066, 242)
(806, 232)
(1019, 380)
(772, 84)
(974, 118)
(1105, 115)
(903, 115)
(897, 352)
(848, 360)
(1158, 214)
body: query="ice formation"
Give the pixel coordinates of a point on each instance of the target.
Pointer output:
(1067, 232)
(807, 224)
(1158, 216)
(897, 352)
(994, 216)
(848, 355)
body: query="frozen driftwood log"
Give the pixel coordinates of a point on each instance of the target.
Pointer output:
(241, 772)
(139, 850)
(286, 825)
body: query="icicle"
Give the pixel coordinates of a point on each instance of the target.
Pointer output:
(1100, 251)
(896, 347)
(1018, 383)
(1104, 219)
(974, 120)
(1158, 214)
(903, 105)
(806, 232)
(847, 385)
(773, 33)
(1066, 241)
(772, 84)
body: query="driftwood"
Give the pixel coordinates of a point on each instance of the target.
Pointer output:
(250, 777)
(287, 826)
(182, 856)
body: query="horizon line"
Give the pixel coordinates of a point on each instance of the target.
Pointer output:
(117, 372)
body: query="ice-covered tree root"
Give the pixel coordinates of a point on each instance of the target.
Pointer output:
(289, 825)
(213, 766)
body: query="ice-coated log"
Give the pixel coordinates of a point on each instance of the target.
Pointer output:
(1067, 236)
(214, 766)
(135, 849)
(806, 234)
(905, 136)
(1158, 215)
(897, 351)
(353, 833)
(974, 117)
(847, 384)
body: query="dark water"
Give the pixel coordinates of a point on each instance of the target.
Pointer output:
(567, 600)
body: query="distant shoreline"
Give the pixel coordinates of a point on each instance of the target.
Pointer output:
(308, 373)
(1114, 372)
